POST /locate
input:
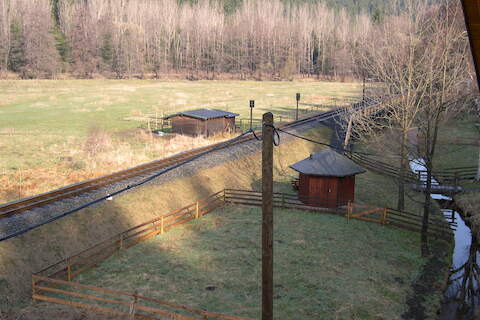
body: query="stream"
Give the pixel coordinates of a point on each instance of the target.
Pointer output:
(461, 298)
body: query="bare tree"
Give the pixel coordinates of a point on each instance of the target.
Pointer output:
(445, 92)
(420, 57)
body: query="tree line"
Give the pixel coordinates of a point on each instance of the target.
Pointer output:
(269, 39)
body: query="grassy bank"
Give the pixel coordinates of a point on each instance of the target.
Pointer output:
(458, 147)
(54, 133)
(325, 266)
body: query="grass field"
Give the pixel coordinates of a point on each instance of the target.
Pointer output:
(53, 133)
(325, 268)
(458, 143)
(458, 147)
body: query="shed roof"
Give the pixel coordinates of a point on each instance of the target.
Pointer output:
(204, 114)
(327, 163)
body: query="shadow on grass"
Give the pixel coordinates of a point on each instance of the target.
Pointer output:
(325, 267)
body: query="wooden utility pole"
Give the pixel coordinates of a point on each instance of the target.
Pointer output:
(267, 217)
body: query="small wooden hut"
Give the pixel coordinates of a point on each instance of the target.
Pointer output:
(327, 179)
(202, 122)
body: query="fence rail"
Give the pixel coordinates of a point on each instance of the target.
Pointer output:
(115, 301)
(282, 200)
(437, 228)
(450, 176)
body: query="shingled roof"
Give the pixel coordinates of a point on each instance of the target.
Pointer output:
(204, 114)
(327, 163)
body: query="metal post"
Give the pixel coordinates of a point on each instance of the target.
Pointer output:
(298, 100)
(252, 105)
(267, 217)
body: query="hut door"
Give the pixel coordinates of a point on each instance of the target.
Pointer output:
(331, 192)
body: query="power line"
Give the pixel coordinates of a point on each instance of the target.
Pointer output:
(128, 187)
(322, 143)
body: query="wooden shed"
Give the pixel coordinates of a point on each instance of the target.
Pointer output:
(204, 122)
(327, 179)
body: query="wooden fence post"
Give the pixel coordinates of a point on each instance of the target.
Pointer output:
(69, 270)
(161, 226)
(384, 216)
(349, 210)
(196, 210)
(120, 247)
(267, 216)
(132, 306)
(224, 196)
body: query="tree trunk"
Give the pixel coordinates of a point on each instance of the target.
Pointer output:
(348, 133)
(401, 177)
(426, 209)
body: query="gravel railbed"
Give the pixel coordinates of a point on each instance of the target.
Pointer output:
(18, 223)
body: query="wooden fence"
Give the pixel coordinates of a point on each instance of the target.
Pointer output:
(115, 301)
(54, 283)
(437, 227)
(450, 176)
(280, 200)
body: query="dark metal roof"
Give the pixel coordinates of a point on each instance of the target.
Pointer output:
(204, 114)
(327, 163)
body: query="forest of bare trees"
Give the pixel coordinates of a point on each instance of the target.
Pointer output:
(118, 39)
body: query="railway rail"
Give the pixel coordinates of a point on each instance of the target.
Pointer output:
(17, 207)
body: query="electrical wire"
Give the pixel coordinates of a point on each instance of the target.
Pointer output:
(128, 187)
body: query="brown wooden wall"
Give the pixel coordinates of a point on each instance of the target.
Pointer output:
(188, 126)
(194, 127)
(326, 191)
(346, 190)
(215, 126)
(471, 11)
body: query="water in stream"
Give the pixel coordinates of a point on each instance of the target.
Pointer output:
(462, 296)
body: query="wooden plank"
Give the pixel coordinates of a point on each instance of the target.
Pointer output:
(171, 315)
(78, 304)
(367, 219)
(193, 310)
(84, 296)
(364, 213)
(442, 225)
(84, 286)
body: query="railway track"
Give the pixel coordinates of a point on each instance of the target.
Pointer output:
(17, 207)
